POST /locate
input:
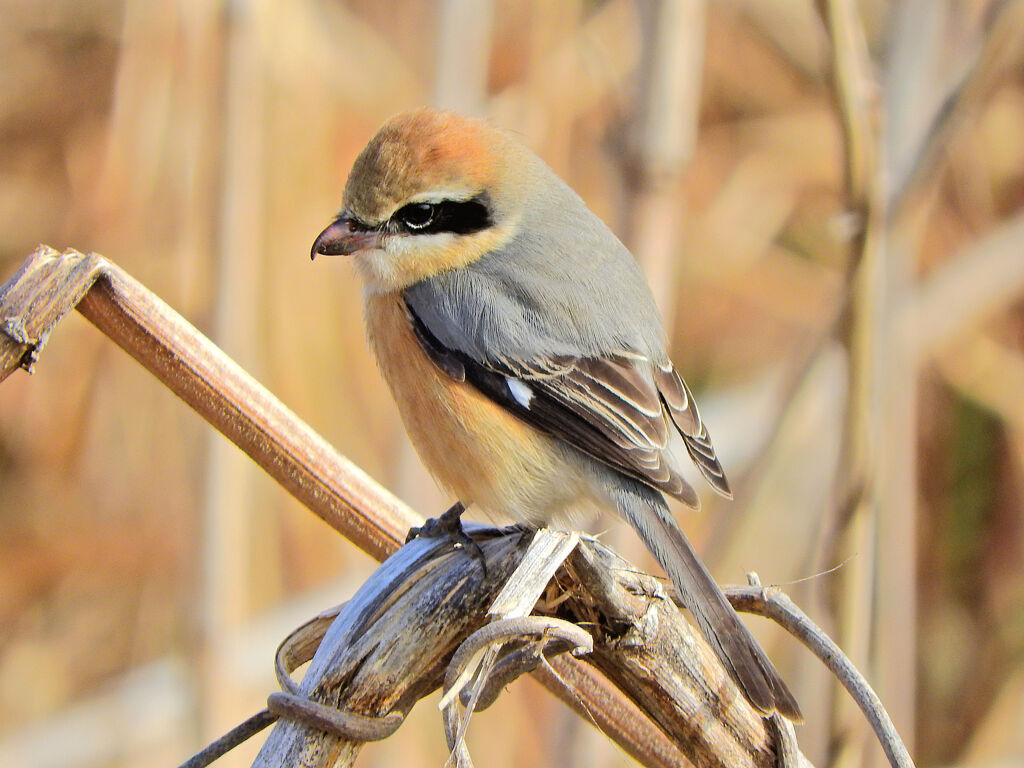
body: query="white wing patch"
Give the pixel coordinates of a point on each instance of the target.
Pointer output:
(520, 391)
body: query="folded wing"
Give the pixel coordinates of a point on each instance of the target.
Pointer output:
(620, 409)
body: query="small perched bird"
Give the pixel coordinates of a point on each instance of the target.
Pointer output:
(521, 343)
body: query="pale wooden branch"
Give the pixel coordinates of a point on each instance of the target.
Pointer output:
(644, 646)
(627, 612)
(605, 707)
(777, 606)
(390, 644)
(597, 701)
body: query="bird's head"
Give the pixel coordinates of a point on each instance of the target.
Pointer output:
(432, 191)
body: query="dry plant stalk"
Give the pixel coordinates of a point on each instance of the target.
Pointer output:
(856, 492)
(893, 320)
(663, 670)
(390, 644)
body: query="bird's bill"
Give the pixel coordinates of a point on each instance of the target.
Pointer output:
(343, 237)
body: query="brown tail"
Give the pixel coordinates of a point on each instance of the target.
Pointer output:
(737, 649)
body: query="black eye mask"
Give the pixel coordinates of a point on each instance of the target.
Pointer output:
(459, 217)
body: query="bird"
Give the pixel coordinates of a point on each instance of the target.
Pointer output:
(523, 348)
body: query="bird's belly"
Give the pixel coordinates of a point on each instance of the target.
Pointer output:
(473, 447)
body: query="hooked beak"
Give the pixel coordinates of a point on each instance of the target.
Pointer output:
(343, 237)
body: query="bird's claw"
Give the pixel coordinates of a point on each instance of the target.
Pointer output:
(449, 525)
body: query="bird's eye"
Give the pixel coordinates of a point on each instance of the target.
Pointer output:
(417, 216)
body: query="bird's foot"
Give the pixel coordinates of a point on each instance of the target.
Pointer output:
(449, 525)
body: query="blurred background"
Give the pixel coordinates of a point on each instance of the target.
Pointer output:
(827, 197)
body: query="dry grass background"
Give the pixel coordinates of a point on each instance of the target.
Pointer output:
(147, 571)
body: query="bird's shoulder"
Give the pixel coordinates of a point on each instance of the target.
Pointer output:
(562, 285)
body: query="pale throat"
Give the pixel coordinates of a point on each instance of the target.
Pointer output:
(404, 260)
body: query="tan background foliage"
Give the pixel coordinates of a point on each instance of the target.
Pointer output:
(147, 570)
